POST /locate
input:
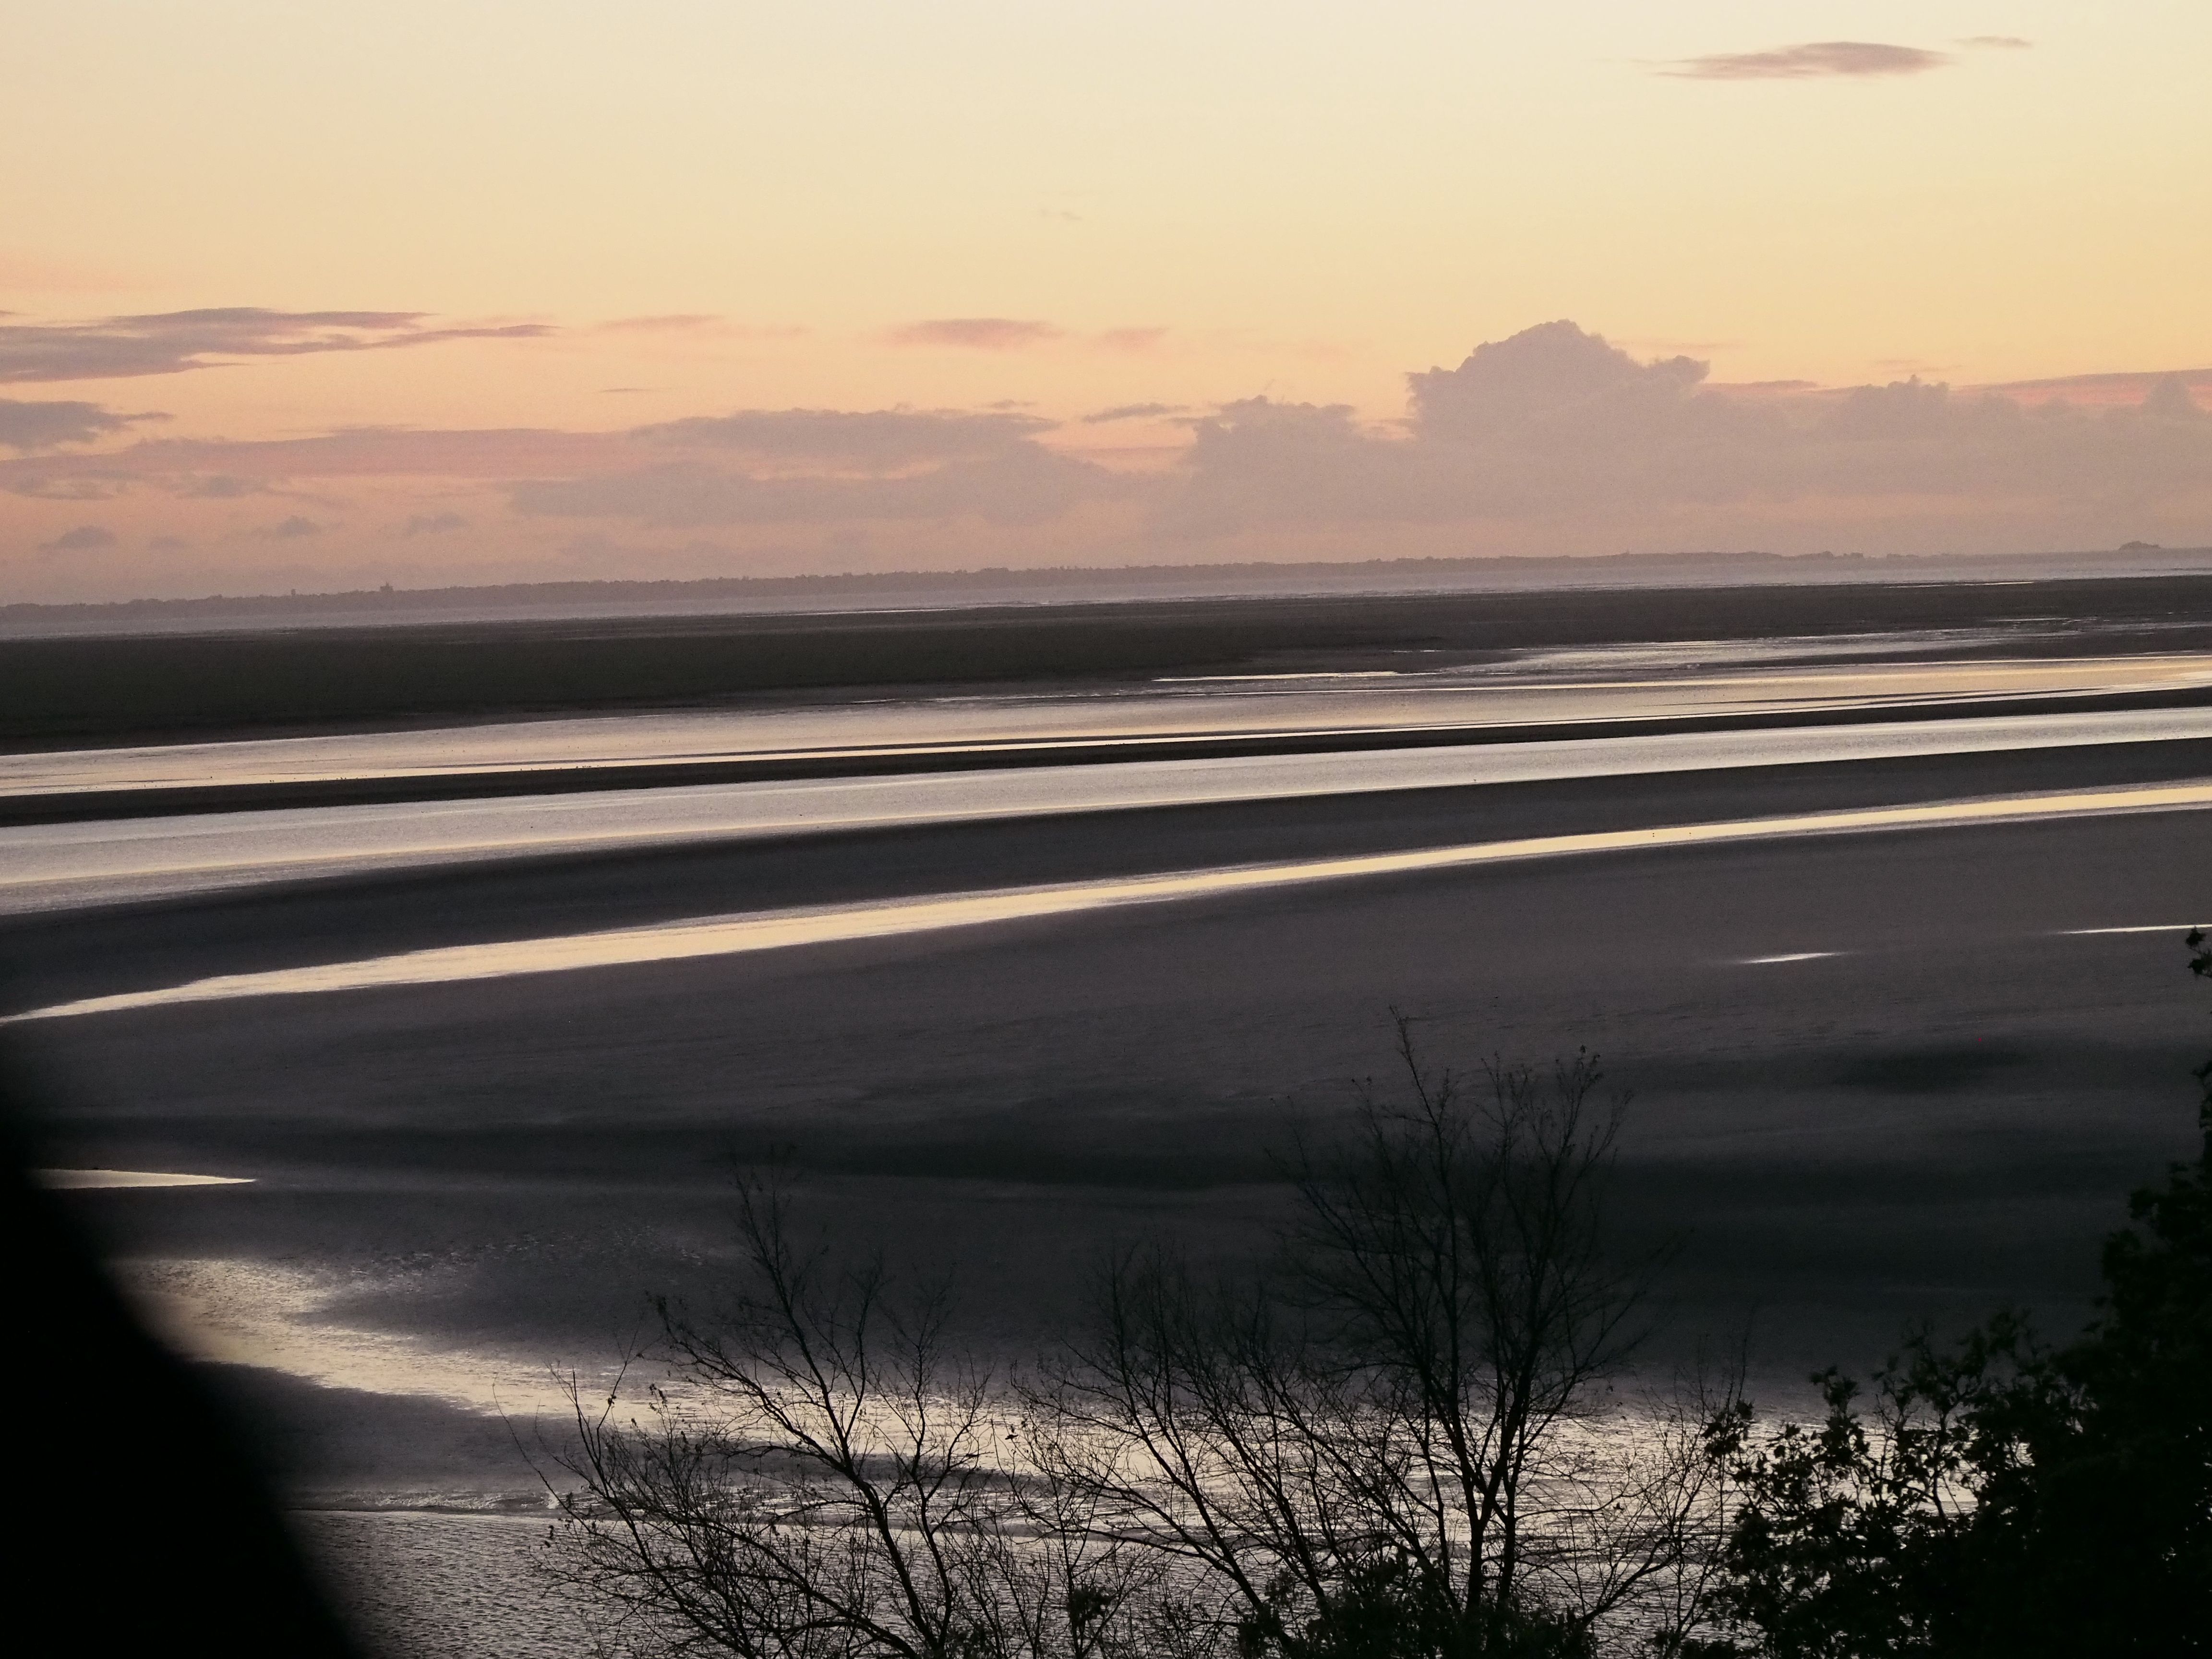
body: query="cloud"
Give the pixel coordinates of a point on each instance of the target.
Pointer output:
(358, 451)
(1996, 43)
(170, 342)
(85, 538)
(873, 440)
(699, 322)
(2121, 388)
(2169, 399)
(822, 465)
(1131, 339)
(1024, 485)
(1549, 373)
(31, 426)
(976, 333)
(216, 487)
(1813, 60)
(1134, 412)
(1556, 427)
(1554, 440)
(672, 322)
(42, 487)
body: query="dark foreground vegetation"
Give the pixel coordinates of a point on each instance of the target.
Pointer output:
(108, 688)
(1409, 1431)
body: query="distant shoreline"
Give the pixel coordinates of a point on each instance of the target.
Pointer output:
(282, 674)
(1067, 584)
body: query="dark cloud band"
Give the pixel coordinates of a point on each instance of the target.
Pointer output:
(170, 342)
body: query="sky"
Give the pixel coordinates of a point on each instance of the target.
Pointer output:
(328, 297)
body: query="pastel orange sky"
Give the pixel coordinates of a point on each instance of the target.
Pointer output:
(336, 295)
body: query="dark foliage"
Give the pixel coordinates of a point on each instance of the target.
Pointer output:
(1998, 1498)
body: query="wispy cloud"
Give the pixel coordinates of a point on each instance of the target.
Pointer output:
(358, 451)
(976, 333)
(170, 342)
(700, 322)
(677, 322)
(25, 426)
(433, 524)
(1134, 412)
(766, 466)
(217, 487)
(1026, 485)
(1996, 43)
(85, 538)
(1131, 339)
(1811, 60)
(862, 440)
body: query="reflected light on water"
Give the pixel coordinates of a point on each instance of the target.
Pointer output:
(730, 935)
(78, 1180)
(902, 730)
(68, 865)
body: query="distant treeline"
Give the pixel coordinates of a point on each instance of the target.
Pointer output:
(1009, 580)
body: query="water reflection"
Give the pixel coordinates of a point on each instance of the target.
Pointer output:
(716, 936)
(60, 866)
(1643, 683)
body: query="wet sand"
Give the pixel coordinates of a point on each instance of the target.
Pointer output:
(63, 691)
(1877, 1076)
(1939, 1105)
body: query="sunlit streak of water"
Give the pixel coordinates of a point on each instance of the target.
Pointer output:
(731, 935)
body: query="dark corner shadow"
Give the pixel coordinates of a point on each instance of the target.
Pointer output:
(148, 1523)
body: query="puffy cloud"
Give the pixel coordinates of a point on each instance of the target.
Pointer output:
(169, 342)
(31, 426)
(1548, 374)
(2169, 400)
(976, 333)
(1552, 440)
(1812, 60)
(85, 538)
(1556, 427)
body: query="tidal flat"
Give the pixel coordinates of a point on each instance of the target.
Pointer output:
(1881, 1070)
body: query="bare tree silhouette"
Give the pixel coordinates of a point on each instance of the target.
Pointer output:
(1406, 1439)
(1401, 1437)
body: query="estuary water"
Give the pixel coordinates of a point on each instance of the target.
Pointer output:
(1713, 681)
(394, 1106)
